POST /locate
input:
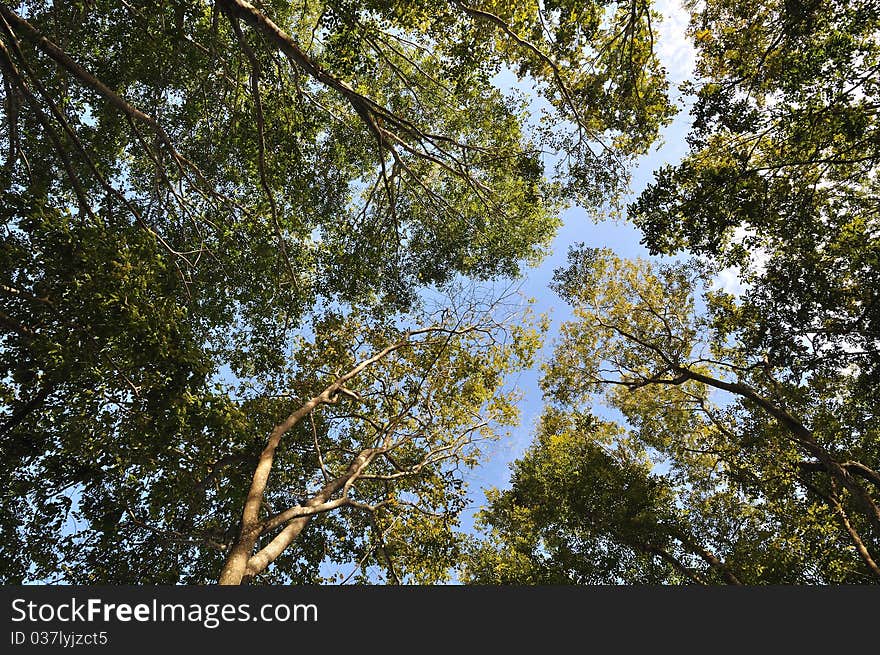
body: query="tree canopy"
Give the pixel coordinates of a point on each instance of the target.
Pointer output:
(254, 325)
(745, 447)
(781, 179)
(718, 471)
(228, 232)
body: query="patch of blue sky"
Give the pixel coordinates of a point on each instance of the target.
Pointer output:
(677, 55)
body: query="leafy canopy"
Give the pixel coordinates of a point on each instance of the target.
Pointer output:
(211, 209)
(745, 447)
(718, 470)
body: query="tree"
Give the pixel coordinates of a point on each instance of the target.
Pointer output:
(748, 423)
(721, 472)
(213, 211)
(781, 179)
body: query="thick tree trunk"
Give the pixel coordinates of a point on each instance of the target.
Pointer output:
(236, 564)
(236, 567)
(320, 502)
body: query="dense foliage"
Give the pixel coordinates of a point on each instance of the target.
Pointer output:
(747, 446)
(213, 210)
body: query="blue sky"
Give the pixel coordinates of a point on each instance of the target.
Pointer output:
(677, 55)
